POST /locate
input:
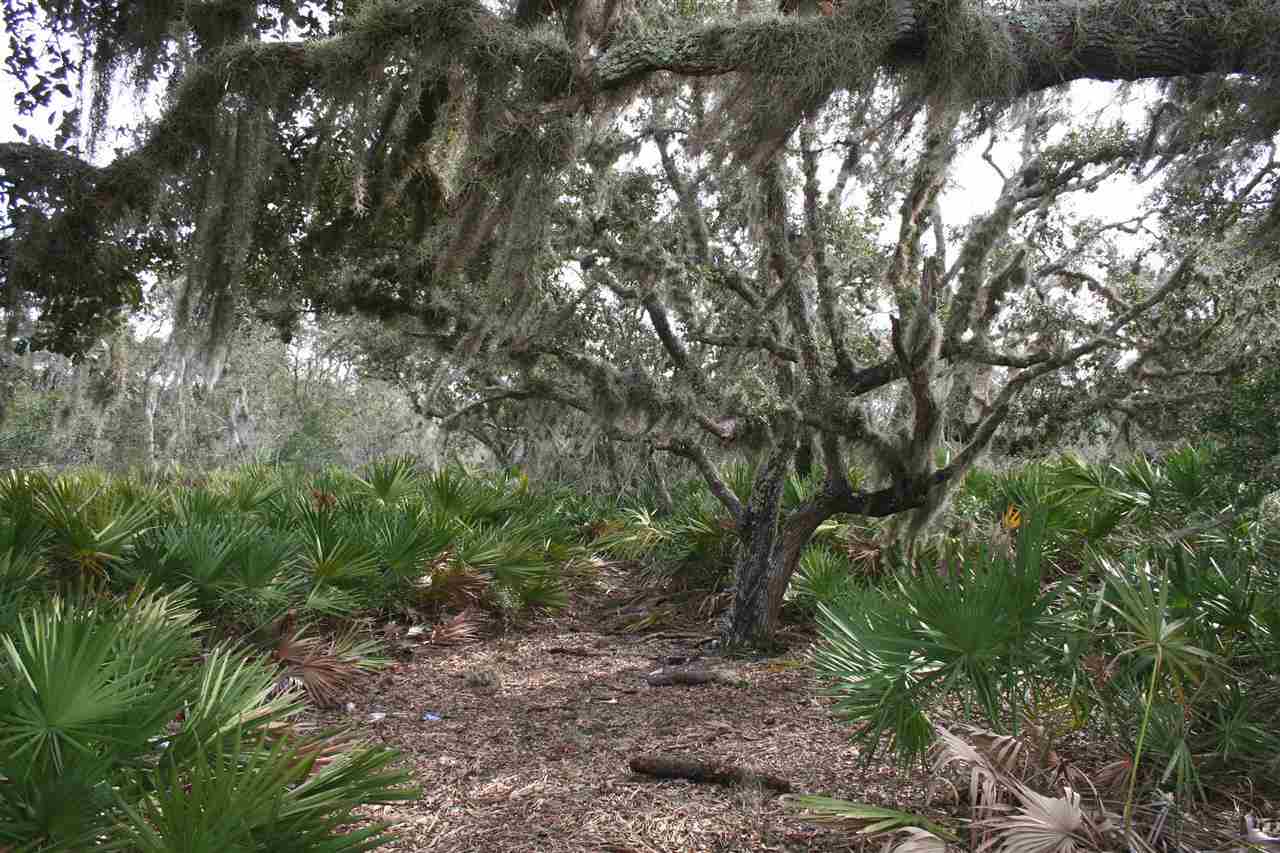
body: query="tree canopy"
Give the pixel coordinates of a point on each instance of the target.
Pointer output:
(700, 227)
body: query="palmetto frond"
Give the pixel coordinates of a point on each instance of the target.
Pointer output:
(465, 627)
(332, 552)
(987, 781)
(77, 681)
(406, 540)
(1044, 824)
(243, 795)
(388, 482)
(867, 819)
(324, 668)
(917, 840)
(89, 527)
(229, 692)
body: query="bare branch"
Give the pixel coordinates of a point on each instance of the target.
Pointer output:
(817, 240)
(695, 224)
(698, 456)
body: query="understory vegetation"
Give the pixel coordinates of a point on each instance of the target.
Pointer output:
(1084, 652)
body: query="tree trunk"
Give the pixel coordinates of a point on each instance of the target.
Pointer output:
(241, 428)
(804, 455)
(666, 505)
(768, 573)
(761, 565)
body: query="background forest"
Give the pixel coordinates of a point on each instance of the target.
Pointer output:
(931, 344)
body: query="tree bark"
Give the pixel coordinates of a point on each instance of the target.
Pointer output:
(241, 428)
(759, 567)
(804, 455)
(662, 494)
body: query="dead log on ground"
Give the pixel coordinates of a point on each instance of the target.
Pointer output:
(577, 653)
(707, 772)
(682, 675)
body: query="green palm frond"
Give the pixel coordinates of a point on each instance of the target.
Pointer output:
(115, 733)
(253, 488)
(1139, 598)
(976, 627)
(67, 692)
(228, 692)
(867, 819)
(823, 575)
(240, 795)
(389, 482)
(406, 539)
(332, 551)
(454, 492)
(89, 528)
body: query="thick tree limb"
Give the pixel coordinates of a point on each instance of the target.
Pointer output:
(747, 340)
(1052, 44)
(814, 228)
(712, 772)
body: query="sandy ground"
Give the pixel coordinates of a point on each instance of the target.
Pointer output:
(522, 741)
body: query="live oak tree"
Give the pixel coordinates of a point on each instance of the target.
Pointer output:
(493, 182)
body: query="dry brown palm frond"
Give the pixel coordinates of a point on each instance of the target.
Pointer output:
(582, 572)
(600, 528)
(867, 559)
(465, 627)
(713, 603)
(1112, 777)
(1100, 669)
(1067, 775)
(1008, 753)
(454, 584)
(317, 666)
(321, 748)
(985, 779)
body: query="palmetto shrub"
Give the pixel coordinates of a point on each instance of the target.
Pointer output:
(120, 733)
(974, 630)
(1163, 645)
(692, 547)
(91, 525)
(234, 567)
(389, 482)
(824, 575)
(250, 544)
(1193, 644)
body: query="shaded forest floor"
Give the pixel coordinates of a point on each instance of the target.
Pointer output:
(521, 742)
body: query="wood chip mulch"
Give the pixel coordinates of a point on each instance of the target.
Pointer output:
(522, 742)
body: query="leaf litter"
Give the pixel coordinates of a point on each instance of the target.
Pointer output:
(521, 742)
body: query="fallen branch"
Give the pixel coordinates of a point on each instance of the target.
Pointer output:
(699, 639)
(668, 676)
(707, 772)
(577, 653)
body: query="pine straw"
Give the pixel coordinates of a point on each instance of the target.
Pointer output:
(534, 755)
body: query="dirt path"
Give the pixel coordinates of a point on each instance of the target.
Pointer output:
(521, 743)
